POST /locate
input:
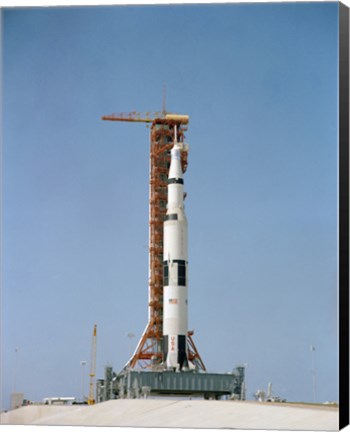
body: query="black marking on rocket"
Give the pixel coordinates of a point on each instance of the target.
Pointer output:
(172, 216)
(175, 180)
(181, 273)
(181, 350)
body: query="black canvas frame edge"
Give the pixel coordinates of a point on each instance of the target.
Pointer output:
(343, 215)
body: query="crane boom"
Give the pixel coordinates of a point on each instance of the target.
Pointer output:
(147, 117)
(91, 400)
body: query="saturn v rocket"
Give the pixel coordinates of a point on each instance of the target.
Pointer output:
(175, 261)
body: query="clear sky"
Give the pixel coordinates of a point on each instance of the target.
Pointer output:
(259, 82)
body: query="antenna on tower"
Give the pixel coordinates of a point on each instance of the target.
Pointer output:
(164, 99)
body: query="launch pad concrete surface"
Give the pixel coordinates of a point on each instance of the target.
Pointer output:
(180, 414)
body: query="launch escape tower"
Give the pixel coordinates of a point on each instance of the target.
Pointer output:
(148, 353)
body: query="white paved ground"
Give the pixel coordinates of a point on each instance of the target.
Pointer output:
(180, 414)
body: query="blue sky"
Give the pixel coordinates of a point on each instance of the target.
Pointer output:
(259, 82)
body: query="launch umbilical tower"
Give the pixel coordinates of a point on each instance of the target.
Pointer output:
(148, 353)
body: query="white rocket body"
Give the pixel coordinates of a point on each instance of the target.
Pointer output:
(175, 261)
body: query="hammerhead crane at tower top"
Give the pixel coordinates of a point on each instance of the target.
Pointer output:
(164, 130)
(148, 117)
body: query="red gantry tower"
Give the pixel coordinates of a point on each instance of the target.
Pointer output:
(148, 353)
